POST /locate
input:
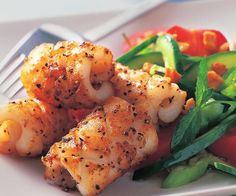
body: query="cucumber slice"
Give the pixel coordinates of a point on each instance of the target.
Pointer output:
(228, 88)
(226, 58)
(137, 61)
(211, 112)
(229, 91)
(129, 55)
(187, 81)
(225, 168)
(190, 59)
(156, 69)
(170, 52)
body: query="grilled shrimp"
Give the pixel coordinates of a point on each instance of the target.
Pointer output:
(28, 127)
(109, 141)
(68, 74)
(163, 99)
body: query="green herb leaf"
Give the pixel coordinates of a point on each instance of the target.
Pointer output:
(202, 91)
(186, 129)
(194, 148)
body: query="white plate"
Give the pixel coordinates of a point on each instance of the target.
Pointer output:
(25, 176)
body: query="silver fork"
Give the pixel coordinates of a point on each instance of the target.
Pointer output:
(10, 85)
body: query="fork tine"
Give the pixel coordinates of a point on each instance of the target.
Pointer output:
(18, 49)
(27, 43)
(19, 94)
(10, 81)
(14, 89)
(4, 99)
(5, 73)
(10, 84)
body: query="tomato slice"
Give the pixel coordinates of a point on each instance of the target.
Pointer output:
(194, 42)
(225, 147)
(165, 135)
(200, 42)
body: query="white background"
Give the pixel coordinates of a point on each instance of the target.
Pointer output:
(17, 10)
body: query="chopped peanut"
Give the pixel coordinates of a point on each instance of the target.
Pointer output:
(190, 103)
(146, 67)
(224, 47)
(219, 68)
(209, 40)
(167, 79)
(214, 80)
(183, 46)
(148, 34)
(174, 35)
(173, 75)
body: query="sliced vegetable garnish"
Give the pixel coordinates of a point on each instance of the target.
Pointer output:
(137, 61)
(213, 78)
(197, 146)
(229, 87)
(225, 146)
(138, 37)
(212, 110)
(174, 76)
(202, 91)
(190, 59)
(187, 130)
(199, 42)
(156, 69)
(190, 172)
(225, 168)
(129, 55)
(230, 91)
(190, 76)
(230, 77)
(170, 52)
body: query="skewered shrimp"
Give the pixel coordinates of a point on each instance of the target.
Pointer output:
(68, 74)
(106, 144)
(163, 99)
(28, 127)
